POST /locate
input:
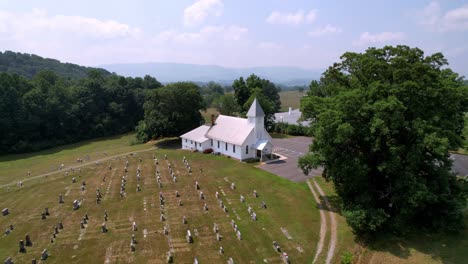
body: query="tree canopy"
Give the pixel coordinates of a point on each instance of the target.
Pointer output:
(171, 111)
(266, 92)
(28, 65)
(383, 123)
(48, 110)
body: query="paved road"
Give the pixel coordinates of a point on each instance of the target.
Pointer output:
(292, 149)
(460, 164)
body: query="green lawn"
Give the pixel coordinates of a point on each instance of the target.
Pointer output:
(15, 168)
(290, 205)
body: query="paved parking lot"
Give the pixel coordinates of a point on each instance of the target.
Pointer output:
(291, 149)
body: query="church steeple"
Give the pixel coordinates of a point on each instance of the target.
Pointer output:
(255, 110)
(256, 116)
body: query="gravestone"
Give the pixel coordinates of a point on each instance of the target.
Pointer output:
(239, 235)
(5, 212)
(255, 194)
(76, 205)
(166, 230)
(162, 218)
(138, 188)
(82, 225)
(202, 197)
(51, 239)
(205, 207)
(254, 216)
(105, 213)
(188, 237)
(263, 204)
(276, 246)
(233, 186)
(218, 237)
(33, 261)
(184, 220)
(86, 217)
(22, 249)
(242, 199)
(133, 239)
(169, 258)
(44, 254)
(61, 198)
(7, 232)
(134, 226)
(249, 209)
(215, 228)
(233, 223)
(177, 194)
(103, 228)
(195, 261)
(132, 247)
(8, 261)
(11, 227)
(197, 186)
(60, 225)
(73, 180)
(84, 220)
(28, 240)
(230, 261)
(180, 202)
(217, 195)
(43, 215)
(221, 250)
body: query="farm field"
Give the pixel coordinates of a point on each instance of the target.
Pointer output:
(291, 211)
(290, 99)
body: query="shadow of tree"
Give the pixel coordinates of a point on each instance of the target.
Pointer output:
(414, 246)
(169, 143)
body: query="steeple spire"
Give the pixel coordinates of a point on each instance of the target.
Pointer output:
(255, 110)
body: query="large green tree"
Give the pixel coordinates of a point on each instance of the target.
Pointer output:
(171, 111)
(264, 90)
(384, 121)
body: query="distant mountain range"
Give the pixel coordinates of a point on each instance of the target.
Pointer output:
(173, 72)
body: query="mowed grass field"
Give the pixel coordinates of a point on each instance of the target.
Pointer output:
(290, 206)
(14, 168)
(290, 99)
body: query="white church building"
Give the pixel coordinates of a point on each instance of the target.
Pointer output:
(240, 138)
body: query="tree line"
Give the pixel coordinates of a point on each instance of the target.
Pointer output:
(28, 65)
(49, 110)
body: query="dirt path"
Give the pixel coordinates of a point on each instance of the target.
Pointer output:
(75, 167)
(323, 223)
(333, 227)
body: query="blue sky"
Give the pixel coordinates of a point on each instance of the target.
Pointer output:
(233, 33)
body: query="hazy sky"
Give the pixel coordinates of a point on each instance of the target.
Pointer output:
(235, 33)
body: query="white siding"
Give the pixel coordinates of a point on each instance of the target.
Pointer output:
(192, 145)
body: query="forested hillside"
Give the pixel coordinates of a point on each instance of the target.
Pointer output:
(28, 65)
(49, 110)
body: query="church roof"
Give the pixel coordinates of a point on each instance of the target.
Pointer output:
(255, 109)
(230, 129)
(198, 134)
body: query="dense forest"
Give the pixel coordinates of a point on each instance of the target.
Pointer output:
(49, 110)
(28, 65)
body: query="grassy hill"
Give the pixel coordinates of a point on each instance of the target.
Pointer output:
(28, 65)
(290, 206)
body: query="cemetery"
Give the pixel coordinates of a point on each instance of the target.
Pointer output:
(159, 206)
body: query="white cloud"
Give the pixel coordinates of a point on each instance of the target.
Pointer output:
(367, 38)
(196, 13)
(326, 30)
(295, 18)
(434, 19)
(21, 25)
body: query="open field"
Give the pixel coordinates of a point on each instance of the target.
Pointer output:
(419, 247)
(14, 168)
(290, 206)
(290, 99)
